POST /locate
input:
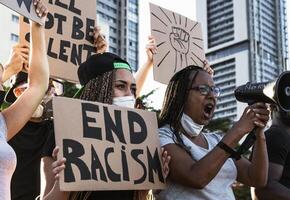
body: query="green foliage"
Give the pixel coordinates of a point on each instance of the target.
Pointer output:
(242, 192)
(222, 124)
(143, 102)
(69, 89)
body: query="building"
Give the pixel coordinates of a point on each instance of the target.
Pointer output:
(244, 41)
(118, 19)
(9, 31)
(122, 18)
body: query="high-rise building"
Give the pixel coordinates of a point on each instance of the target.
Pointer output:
(9, 31)
(122, 18)
(118, 19)
(245, 40)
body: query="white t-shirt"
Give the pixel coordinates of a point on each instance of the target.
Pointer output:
(7, 161)
(218, 188)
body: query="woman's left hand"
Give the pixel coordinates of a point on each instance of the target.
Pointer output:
(165, 161)
(207, 67)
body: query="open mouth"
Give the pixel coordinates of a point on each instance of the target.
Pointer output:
(208, 110)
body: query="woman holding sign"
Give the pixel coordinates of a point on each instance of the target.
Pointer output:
(108, 79)
(14, 118)
(204, 165)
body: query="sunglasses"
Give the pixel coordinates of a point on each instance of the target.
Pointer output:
(205, 90)
(56, 85)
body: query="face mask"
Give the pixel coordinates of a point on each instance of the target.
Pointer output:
(38, 112)
(127, 101)
(192, 129)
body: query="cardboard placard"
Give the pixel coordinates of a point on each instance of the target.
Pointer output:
(23, 7)
(68, 38)
(179, 42)
(106, 147)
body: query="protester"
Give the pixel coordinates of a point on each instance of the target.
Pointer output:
(201, 165)
(32, 141)
(29, 141)
(18, 60)
(278, 146)
(101, 46)
(14, 118)
(108, 79)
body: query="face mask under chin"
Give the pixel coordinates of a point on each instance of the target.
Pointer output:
(126, 101)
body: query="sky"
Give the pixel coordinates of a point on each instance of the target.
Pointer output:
(144, 30)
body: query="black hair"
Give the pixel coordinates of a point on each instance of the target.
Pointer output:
(175, 97)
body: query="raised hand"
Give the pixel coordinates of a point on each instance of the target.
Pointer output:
(207, 67)
(100, 42)
(40, 8)
(151, 49)
(18, 60)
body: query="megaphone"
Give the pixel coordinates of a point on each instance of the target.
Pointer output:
(275, 92)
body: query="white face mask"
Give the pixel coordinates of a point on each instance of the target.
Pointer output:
(127, 101)
(38, 112)
(192, 129)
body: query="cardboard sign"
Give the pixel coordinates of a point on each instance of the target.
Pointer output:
(23, 7)
(68, 39)
(179, 42)
(106, 147)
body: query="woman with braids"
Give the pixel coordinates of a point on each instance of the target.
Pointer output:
(106, 78)
(204, 165)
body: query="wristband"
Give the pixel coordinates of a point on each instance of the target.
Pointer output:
(226, 148)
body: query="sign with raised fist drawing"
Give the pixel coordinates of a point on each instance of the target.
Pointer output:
(23, 7)
(179, 42)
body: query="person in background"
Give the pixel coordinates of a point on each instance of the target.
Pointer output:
(13, 118)
(278, 146)
(204, 165)
(31, 142)
(17, 60)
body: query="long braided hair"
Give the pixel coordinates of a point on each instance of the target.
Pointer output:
(175, 97)
(98, 89)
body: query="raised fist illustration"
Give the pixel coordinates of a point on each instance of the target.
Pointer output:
(179, 40)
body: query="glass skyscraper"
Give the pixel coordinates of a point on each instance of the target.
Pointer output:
(245, 40)
(122, 17)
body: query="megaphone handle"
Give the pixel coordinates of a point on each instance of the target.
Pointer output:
(248, 142)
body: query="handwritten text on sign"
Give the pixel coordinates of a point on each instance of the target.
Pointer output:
(69, 42)
(107, 147)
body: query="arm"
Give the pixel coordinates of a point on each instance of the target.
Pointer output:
(18, 58)
(204, 170)
(255, 173)
(274, 189)
(142, 72)
(49, 179)
(56, 167)
(21, 111)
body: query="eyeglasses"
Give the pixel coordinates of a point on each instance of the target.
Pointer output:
(55, 85)
(205, 90)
